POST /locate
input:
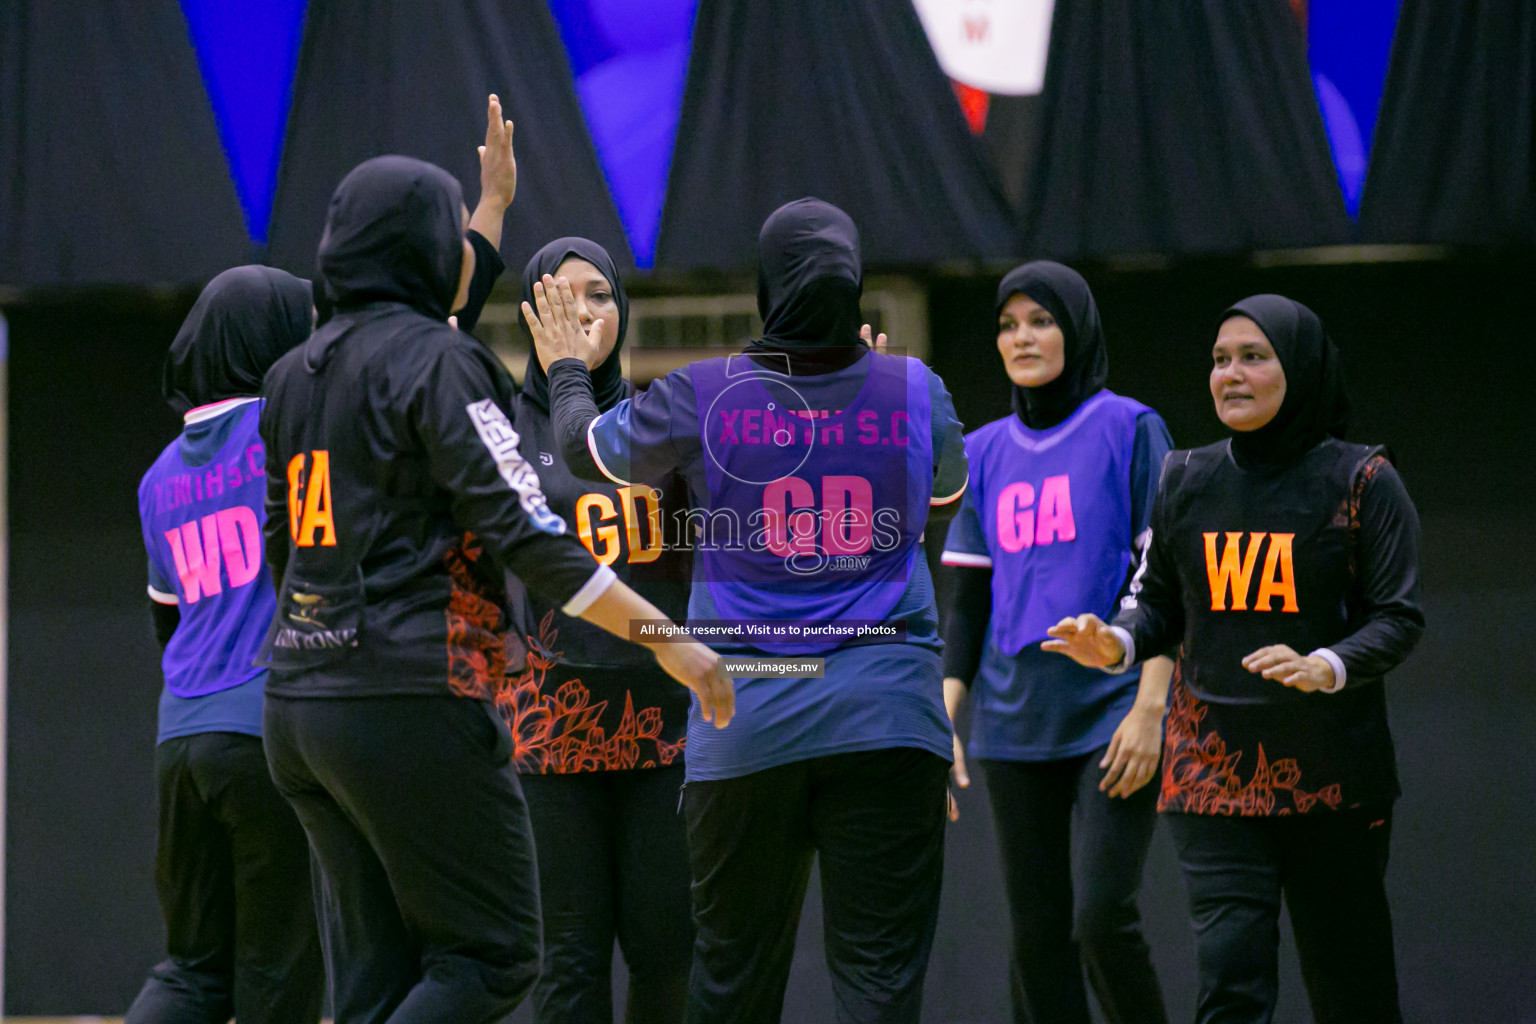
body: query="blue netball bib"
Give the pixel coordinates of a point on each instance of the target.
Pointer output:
(818, 490)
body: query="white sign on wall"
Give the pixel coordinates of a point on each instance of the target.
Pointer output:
(997, 46)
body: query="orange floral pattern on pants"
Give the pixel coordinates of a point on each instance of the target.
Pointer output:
(1201, 776)
(476, 644)
(562, 731)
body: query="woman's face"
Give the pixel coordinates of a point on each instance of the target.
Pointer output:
(467, 267)
(1247, 380)
(1030, 342)
(595, 300)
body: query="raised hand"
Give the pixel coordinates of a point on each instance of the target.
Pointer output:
(498, 175)
(1279, 662)
(556, 324)
(498, 167)
(1086, 640)
(878, 344)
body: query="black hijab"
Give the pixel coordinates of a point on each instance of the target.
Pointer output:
(809, 280)
(241, 324)
(394, 233)
(323, 307)
(1315, 405)
(1085, 363)
(608, 384)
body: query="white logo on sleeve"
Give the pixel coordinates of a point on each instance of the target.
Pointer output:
(1144, 543)
(500, 439)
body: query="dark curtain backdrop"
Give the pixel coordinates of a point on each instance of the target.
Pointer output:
(841, 99)
(1179, 127)
(1182, 128)
(1012, 137)
(110, 163)
(1455, 153)
(411, 77)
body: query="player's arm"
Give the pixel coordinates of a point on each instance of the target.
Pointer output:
(1392, 613)
(968, 589)
(573, 413)
(275, 529)
(951, 468)
(498, 175)
(1151, 617)
(1387, 605)
(688, 661)
(457, 410)
(1148, 456)
(164, 604)
(568, 354)
(632, 441)
(498, 184)
(1136, 747)
(164, 618)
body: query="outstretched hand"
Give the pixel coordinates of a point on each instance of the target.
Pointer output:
(701, 670)
(1087, 640)
(556, 325)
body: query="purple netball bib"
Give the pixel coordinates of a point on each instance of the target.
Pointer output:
(1055, 505)
(818, 490)
(202, 527)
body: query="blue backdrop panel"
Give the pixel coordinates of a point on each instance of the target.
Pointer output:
(1348, 45)
(630, 61)
(248, 51)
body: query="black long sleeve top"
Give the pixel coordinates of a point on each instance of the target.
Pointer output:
(1321, 556)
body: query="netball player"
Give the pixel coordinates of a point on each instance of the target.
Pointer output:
(232, 866)
(812, 464)
(1061, 493)
(397, 498)
(1283, 566)
(598, 728)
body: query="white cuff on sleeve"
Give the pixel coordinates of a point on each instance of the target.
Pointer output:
(1336, 663)
(598, 459)
(161, 597)
(953, 497)
(1125, 663)
(966, 558)
(590, 591)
